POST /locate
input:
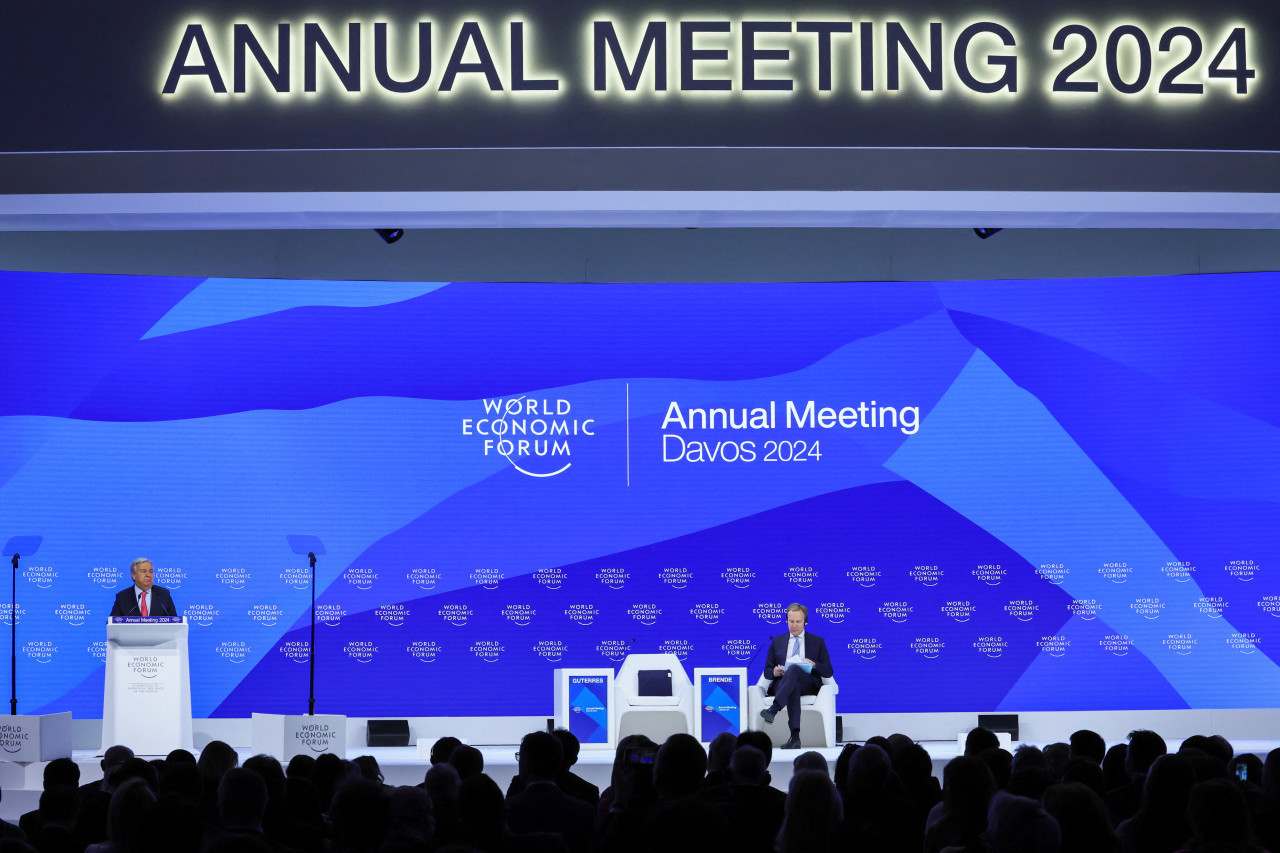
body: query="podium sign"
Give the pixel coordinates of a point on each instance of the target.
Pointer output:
(26, 739)
(287, 735)
(147, 699)
(585, 706)
(720, 697)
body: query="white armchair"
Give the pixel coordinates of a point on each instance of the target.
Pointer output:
(817, 714)
(654, 716)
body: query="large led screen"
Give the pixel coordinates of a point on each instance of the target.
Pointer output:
(991, 495)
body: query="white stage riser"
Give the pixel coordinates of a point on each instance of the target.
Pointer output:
(1038, 726)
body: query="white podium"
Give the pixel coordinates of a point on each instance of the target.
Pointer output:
(286, 735)
(147, 701)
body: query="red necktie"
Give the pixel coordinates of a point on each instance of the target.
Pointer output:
(142, 602)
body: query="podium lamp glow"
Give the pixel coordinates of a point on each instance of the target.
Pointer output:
(15, 548)
(310, 546)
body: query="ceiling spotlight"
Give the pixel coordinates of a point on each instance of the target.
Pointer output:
(390, 235)
(983, 233)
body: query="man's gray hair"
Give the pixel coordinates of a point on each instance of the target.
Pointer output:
(138, 562)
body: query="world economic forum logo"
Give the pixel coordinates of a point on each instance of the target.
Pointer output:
(552, 650)
(614, 650)
(926, 575)
(865, 647)
(361, 577)
(1054, 573)
(266, 615)
(487, 650)
(235, 651)
(864, 576)
(423, 578)
(425, 651)
(614, 577)
(583, 614)
(519, 614)
(1054, 645)
(361, 651)
(456, 614)
(298, 651)
(40, 651)
(678, 647)
(170, 577)
(536, 436)
(72, 614)
(739, 649)
(739, 577)
(234, 577)
(201, 614)
(394, 615)
(990, 573)
(330, 614)
(42, 577)
(645, 614)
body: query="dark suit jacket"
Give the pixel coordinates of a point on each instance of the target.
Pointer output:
(127, 604)
(815, 649)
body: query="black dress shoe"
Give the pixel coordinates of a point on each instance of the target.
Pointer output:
(793, 742)
(768, 715)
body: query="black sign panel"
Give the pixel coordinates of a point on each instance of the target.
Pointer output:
(345, 74)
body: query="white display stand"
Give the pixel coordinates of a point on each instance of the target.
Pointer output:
(732, 681)
(286, 735)
(594, 724)
(45, 737)
(147, 701)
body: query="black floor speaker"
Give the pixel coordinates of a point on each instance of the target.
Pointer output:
(1000, 723)
(387, 733)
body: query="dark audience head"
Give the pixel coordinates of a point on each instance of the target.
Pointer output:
(914, 766)
(1113, 766)
(1206, 766)
(1167, 788)
(868, 770)
(541, 757)
(369, 768)
(182, 756)
(1219, 818)
(898, 741)
(760, 741)
(114, 757)
(1087, 772)
(412, 816)
(268, 767)
(215, 760)
(880, 741)
(136, 768)
(59, 806)
(1145, 746)
(301, 767)
(679, 767)
(1271, 772)
(810, 760)
(747, 766)
(1057, 755)
(128, 801)
(720, 751)
(443, 748)
(1000, 762)
(242, 799)
(182, 780)
(1082, 818)
(331, 772)
(842, 765)
(1027, 755)
(813, 811)
(1020, 825)
(360, 815)
(967, 789)
(176, 826)
(442, 782)
(61, 771)
(979, 740)
(1220, 748)
(467, 760)
(481, 810)
(1088, 744)
(569, 745)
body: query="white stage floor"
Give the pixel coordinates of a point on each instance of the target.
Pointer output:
(21, 784)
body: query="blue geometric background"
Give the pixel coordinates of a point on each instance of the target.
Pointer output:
(1084, 519)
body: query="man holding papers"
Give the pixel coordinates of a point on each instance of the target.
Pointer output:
(796, 664)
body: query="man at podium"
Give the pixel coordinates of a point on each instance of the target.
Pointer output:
(144, 598)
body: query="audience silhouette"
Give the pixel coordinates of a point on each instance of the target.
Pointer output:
(1075, 796)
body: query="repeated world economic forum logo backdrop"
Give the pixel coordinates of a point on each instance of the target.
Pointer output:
(1018, 495)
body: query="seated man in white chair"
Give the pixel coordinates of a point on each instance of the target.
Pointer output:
(795, 666)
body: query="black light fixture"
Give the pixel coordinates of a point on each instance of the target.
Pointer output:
(390, 235)
(983, 233)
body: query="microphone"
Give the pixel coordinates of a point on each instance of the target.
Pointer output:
(757, 654)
